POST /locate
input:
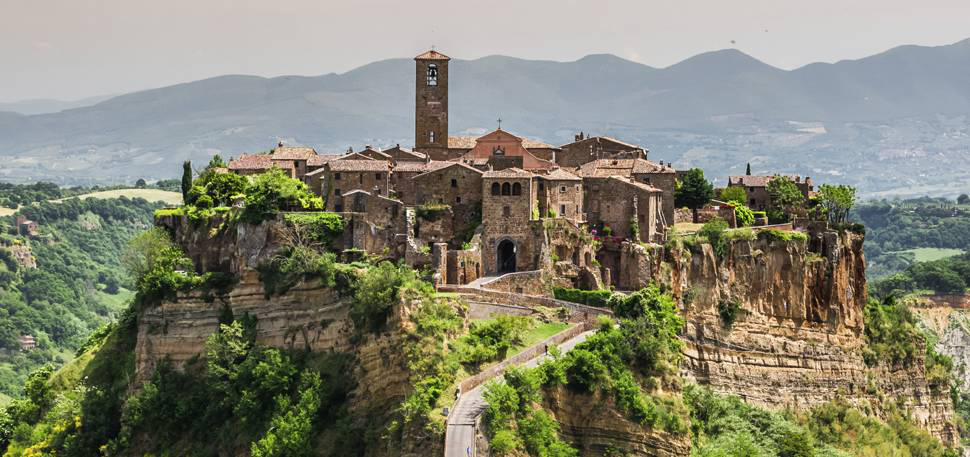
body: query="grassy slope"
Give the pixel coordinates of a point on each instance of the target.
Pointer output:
(152, 195)
(931, 254)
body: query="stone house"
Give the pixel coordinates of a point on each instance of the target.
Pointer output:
(615, 202)
(508, 206)
(454, 184)
(661, 176)
(27, 227)
(399, 154)
(295, 158)
(756, 188)
(341, 176)
(252, 164)
(587, 149)
(402, 178)
(561, 193)
(27, 343)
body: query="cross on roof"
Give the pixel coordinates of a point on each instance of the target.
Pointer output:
(500, 123)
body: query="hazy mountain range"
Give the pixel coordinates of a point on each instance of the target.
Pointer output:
(892, 123)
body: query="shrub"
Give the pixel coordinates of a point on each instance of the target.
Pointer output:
(274, 191)
(491, 340)
(728, 310)
(379, 289)
(599, 298)
(743, 215)
(322, 227)
(295, 264)
(734, 195)
(772, 235)
(713, 230)
(431, 211)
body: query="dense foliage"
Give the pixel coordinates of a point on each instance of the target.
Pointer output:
(491, 340)
(598, 298)
(727, 426)
(945, 276)
(786, 198)
(693, 191)
(78, 286)
(893, 228)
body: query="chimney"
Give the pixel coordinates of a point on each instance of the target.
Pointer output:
(350, 149)
(280, 144)
(427, 158)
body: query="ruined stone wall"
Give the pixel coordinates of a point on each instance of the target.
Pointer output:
(464, 265)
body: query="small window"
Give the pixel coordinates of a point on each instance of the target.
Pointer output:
(506, 212)
(431, 136)
(496, 188)
(457, 199)
(498, 150)
(542, 185)
(432, 75)
(646, 179)
(360, 178)
(562, 189)
(377, 176)
(562, 210)
(336, 191)
(516, 189)
(338, 208)
(506, 189)
(336, 176)
(454, 183)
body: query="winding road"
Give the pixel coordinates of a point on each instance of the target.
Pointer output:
(460, 433)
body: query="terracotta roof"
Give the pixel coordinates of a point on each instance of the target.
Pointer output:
(432, 55)
(404, 153)
(449, 164)
(620, 167)
(358, 165)
(251, 162)
(607, 139)
(293, 153)
(420, 167)
(529, 143)
(754, 181)
(508, 173)
(461, 142)
(319, 161)
(639, 185)
(355, 156)
(560, 175)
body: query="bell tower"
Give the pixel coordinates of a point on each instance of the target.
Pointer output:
(431, 104)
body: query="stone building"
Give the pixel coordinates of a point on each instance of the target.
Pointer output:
(587, 149)
(402, 178)
(661, 176)
(455, 184)
(508, 206)
(341, 176)
(502, 150)
(431, 105)
(615, 202)
(560, 194)
(399, 154)
(756, 187)
(27, 227)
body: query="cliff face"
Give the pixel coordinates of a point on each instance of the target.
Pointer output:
(593, 424)
(798, 331)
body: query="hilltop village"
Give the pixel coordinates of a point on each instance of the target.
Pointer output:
(479, 205)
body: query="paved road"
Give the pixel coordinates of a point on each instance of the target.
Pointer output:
(460, 435)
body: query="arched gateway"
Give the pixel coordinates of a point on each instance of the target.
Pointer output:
(506, 257)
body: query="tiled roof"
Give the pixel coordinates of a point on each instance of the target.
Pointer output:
(319, 161)
(508, 173)
(420, 167)
(560, 175)
(639, 185)
(432, 55)
(404, 153)
(251, 162)
(620, 167)
(358, 165)
(449, 164)
(607, 139)
(355, 156)
(461, 141)
(529, 143)
(755, 181)
(293, 153)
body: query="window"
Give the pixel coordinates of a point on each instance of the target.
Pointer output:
(498, 151)
(516, 189)
(646, 179)
(336, 191)
(454, 183)
(338, 208)
(542, 185)
(431, 136)
(562, 189)
(562, 210)
(360, 178)
(336, 176)
(506, 211)
(432, 75)
(377, 176)
(506, 189)
(457, 199)
(495, 188)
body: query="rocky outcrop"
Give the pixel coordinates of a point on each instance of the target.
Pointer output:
(593, 424)
(797, 330)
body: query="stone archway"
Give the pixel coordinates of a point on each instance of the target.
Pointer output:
(506, 257)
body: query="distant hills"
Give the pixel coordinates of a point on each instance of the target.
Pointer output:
(893, 124)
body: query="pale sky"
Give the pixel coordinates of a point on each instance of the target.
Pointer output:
(69, 49)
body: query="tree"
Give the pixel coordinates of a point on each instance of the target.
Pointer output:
(734, 194)
(786, 197)
(748, 171)
(694, 191)
(141, 183)
(963, 199)
(186, 179)
(743, 215)
(274, 191)
(837, 201)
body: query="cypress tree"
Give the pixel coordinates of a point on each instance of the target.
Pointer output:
(748, 172)
(186, 180)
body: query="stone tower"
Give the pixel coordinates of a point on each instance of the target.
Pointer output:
(431, 104)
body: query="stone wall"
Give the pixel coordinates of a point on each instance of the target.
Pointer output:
(563, 197)
(464, 265)
(507, 218)
(453, 185)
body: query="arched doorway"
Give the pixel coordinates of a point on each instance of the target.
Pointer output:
(506, 257)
